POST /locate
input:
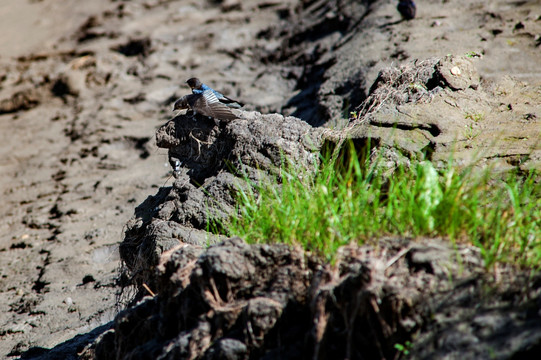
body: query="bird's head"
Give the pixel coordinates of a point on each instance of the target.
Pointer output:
(194, 83)
(181, 103)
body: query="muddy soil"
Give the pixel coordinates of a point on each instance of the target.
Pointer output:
(85, 86)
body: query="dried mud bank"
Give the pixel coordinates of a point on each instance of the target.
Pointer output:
(234, 300)
(77, 114)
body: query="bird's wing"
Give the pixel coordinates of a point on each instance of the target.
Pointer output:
(208, 104)
(226, 100)
(210, 97)
(221, 111)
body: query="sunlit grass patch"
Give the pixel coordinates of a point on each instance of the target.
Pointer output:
(349, 202)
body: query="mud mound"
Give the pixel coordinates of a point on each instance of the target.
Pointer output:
(210, 160)
(346, 43)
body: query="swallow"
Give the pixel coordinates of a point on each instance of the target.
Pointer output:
(407, 9)
(206, 104)
(198, 87)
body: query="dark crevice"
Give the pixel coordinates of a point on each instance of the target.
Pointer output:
(433, 129)
(135, 47)
(40, 285)
(307, 104)
(315, 22)
(429, 150)
(60, 88)
(139, 143)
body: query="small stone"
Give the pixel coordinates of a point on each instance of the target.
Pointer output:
(83, 62)
(455, 70)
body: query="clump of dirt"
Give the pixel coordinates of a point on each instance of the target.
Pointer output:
(22, 100)
(210, 160)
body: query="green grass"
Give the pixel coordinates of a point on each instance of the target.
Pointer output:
(477, 117)
(348, 201)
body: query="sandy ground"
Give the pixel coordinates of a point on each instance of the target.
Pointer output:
(83, 87)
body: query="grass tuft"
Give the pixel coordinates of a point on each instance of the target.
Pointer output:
(347, 201)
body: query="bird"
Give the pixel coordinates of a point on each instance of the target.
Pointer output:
(407, 9)
(198, 87)
(206, 104)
